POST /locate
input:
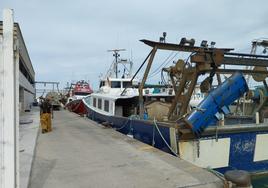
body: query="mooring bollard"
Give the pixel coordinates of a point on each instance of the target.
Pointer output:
(238, 178)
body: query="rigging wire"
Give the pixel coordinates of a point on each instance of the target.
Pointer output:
(167, 58)
(163, 78)
(165, 62)
(162, 74)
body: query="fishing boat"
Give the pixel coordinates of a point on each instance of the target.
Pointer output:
(227, 129)
(74, 103)
(117, 100)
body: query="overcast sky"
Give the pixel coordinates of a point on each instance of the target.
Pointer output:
(68, 40)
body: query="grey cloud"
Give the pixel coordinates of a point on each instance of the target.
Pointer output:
(69, 39)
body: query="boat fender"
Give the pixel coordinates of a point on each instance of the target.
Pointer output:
(238, 178)
(145, 115)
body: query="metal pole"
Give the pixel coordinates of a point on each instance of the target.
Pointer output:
(16, 110)
(147, 70)
(116, 68)
(9, 112)
(1, 113)
(137, 71)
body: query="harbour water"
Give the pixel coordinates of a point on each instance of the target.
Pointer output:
(260, 181)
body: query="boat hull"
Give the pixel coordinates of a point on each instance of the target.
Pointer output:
(139, 129)
(76, 106)
(221, 151)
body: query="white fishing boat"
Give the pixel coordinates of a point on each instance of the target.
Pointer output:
(196, 135)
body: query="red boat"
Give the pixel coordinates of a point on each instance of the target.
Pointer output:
(74, 103)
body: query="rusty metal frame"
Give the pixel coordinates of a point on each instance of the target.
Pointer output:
(141, 86)
(183, 97)
(206, 60)
(177, 47)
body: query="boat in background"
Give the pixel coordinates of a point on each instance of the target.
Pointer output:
(227, 138)
(74, 103)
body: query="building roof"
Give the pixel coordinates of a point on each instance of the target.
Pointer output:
(24, 55)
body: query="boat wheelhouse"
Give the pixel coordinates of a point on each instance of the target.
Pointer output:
(74, 102)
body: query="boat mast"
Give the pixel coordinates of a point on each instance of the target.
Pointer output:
(116, 56)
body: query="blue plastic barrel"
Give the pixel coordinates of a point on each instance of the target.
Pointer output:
(218, 100)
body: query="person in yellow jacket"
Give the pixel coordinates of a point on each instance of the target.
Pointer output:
(46, 113)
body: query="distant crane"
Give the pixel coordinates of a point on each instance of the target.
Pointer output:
(45, 83)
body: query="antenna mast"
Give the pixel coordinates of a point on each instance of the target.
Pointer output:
(116, 56)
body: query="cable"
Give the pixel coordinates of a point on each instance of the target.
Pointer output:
(163, 78)
(165, 62)
(159, 68)
(123, 126)
(158, 130)
(137, 71)
(186, 62)
(218, 174)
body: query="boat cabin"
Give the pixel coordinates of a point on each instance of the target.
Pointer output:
(118, 83)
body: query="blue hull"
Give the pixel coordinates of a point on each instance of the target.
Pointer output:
(241, 156)
(140, 129)
(242, 144)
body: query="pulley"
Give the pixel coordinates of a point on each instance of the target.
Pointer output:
(259, 77)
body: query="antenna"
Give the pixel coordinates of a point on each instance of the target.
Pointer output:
(116, 55)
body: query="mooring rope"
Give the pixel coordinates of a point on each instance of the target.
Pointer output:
(216, 173)
(158, 130)
(124, 125)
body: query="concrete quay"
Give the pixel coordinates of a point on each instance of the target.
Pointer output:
(28, 134)
(81, 153)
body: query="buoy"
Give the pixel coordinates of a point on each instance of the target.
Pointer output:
(238, 178)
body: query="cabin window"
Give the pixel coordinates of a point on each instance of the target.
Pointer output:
(81, 93)
(106, 105)
(115, 84)
(99, 103)
(94, 102)
(102, 83)
(111, 106)
(126, 84)
(87, 99)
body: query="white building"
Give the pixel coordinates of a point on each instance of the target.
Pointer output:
(27, 74)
